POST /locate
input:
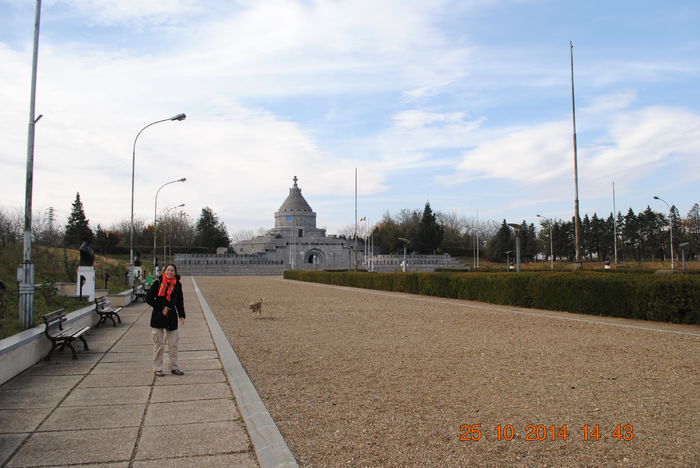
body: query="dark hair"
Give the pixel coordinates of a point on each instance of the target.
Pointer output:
(170, 264)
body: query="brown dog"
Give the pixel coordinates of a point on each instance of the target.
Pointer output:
(256, 307)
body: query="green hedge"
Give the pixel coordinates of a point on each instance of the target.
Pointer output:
(666, 298)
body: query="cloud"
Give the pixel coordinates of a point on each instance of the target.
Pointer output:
(133, 13)
(539, 159)
(611, 102)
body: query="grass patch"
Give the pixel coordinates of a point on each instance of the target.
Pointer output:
(52, 265)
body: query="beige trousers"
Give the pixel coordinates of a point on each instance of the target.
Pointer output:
(161, 337)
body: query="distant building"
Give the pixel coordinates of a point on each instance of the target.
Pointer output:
(297, 241)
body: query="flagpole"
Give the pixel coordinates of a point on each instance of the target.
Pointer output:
(614, 224)
(577, 223)
(355, 267)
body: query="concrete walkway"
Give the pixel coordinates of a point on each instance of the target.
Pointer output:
(108, 409)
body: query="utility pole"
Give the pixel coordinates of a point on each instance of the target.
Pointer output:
(25, 273)
(614, 224)
(577, 223)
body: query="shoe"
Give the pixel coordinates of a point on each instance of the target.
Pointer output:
(160, 374)
(177, 372)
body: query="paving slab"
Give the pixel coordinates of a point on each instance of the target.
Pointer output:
(60, 368)
(126, 357)
(192, 439)
(184, 412)
(197, 355)
(238, 460)
(190, 377)
(195, 346)
(191, 392)
(45, 383)
(100, 396)
(30, 398)
(83, 357)
(94, 417)
(22, 420)
(131, 379)
(122, 367)
(200, 364)
(8, 444)
(73, 447)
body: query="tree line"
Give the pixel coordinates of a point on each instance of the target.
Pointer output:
(635, 236)
(175, 229)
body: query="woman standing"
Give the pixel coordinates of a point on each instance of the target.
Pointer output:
(165, 296)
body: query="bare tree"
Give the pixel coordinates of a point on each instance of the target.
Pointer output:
(11, 226)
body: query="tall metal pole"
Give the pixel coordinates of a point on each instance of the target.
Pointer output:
(614, 224)
(355, 267)
(477, 238)
(551, 248)
(26, 269)
(577, 223)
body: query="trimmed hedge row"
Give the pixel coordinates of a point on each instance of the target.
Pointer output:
(665, 298)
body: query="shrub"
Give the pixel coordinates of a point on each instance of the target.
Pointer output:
(667, 298)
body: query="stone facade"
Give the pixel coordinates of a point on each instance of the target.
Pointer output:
(296, 243)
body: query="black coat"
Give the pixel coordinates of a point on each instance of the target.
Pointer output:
(176, 304)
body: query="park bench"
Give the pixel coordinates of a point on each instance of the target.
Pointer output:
(103, 309)
(139, 293)
(62, 337)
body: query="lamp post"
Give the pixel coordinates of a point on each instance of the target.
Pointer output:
(155, 214)
(551, 243)
(516, 229)
(405, 242)
(177, 117)
(670, 225)
(508, 252)
(165, 243)
(25, 272)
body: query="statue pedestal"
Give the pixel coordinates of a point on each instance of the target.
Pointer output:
(88, 286)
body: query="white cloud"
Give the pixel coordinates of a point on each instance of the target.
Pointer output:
(539, 159)
(134, 13)
(610, 103)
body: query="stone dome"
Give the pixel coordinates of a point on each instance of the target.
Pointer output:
(295, 211)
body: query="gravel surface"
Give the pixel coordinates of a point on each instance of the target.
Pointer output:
(356, 377)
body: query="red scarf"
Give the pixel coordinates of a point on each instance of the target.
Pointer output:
(166, 287)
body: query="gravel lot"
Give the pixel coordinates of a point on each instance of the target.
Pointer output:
(365, 378)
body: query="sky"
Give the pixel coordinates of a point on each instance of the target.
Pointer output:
(464, 104)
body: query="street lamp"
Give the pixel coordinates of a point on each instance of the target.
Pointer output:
(670, 225)
(516, 229)
(551, 244)
(405, 242)
(165, 243)
(155, 211)
(133, 166)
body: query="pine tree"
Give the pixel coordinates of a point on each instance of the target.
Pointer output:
(77, 226)
(499, 244)
(430, 232)
(211, 233)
